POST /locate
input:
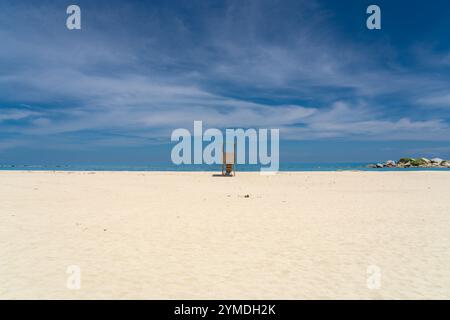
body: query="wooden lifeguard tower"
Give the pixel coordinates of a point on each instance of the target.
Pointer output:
(229, 161)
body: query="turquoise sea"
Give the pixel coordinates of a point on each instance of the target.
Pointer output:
(160, 166)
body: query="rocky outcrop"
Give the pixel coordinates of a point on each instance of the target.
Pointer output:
(413, 163)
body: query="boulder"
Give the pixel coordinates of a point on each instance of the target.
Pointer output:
(446, 163)
(390, 163)
(437, 160)
(404, 165)
(428, 161)
(380, 165)
(372, 166)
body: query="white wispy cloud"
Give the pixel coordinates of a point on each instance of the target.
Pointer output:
(16, 114)
(438, 99)
(229, 68)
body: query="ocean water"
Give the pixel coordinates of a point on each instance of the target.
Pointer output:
(160, 166)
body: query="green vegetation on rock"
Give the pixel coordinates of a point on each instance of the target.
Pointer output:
(418, 162)
(405, 160)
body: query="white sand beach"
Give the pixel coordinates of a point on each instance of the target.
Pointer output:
(167, 235)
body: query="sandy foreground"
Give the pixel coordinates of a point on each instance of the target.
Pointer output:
(166, 235)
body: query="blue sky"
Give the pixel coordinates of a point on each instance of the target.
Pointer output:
(115, 90)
